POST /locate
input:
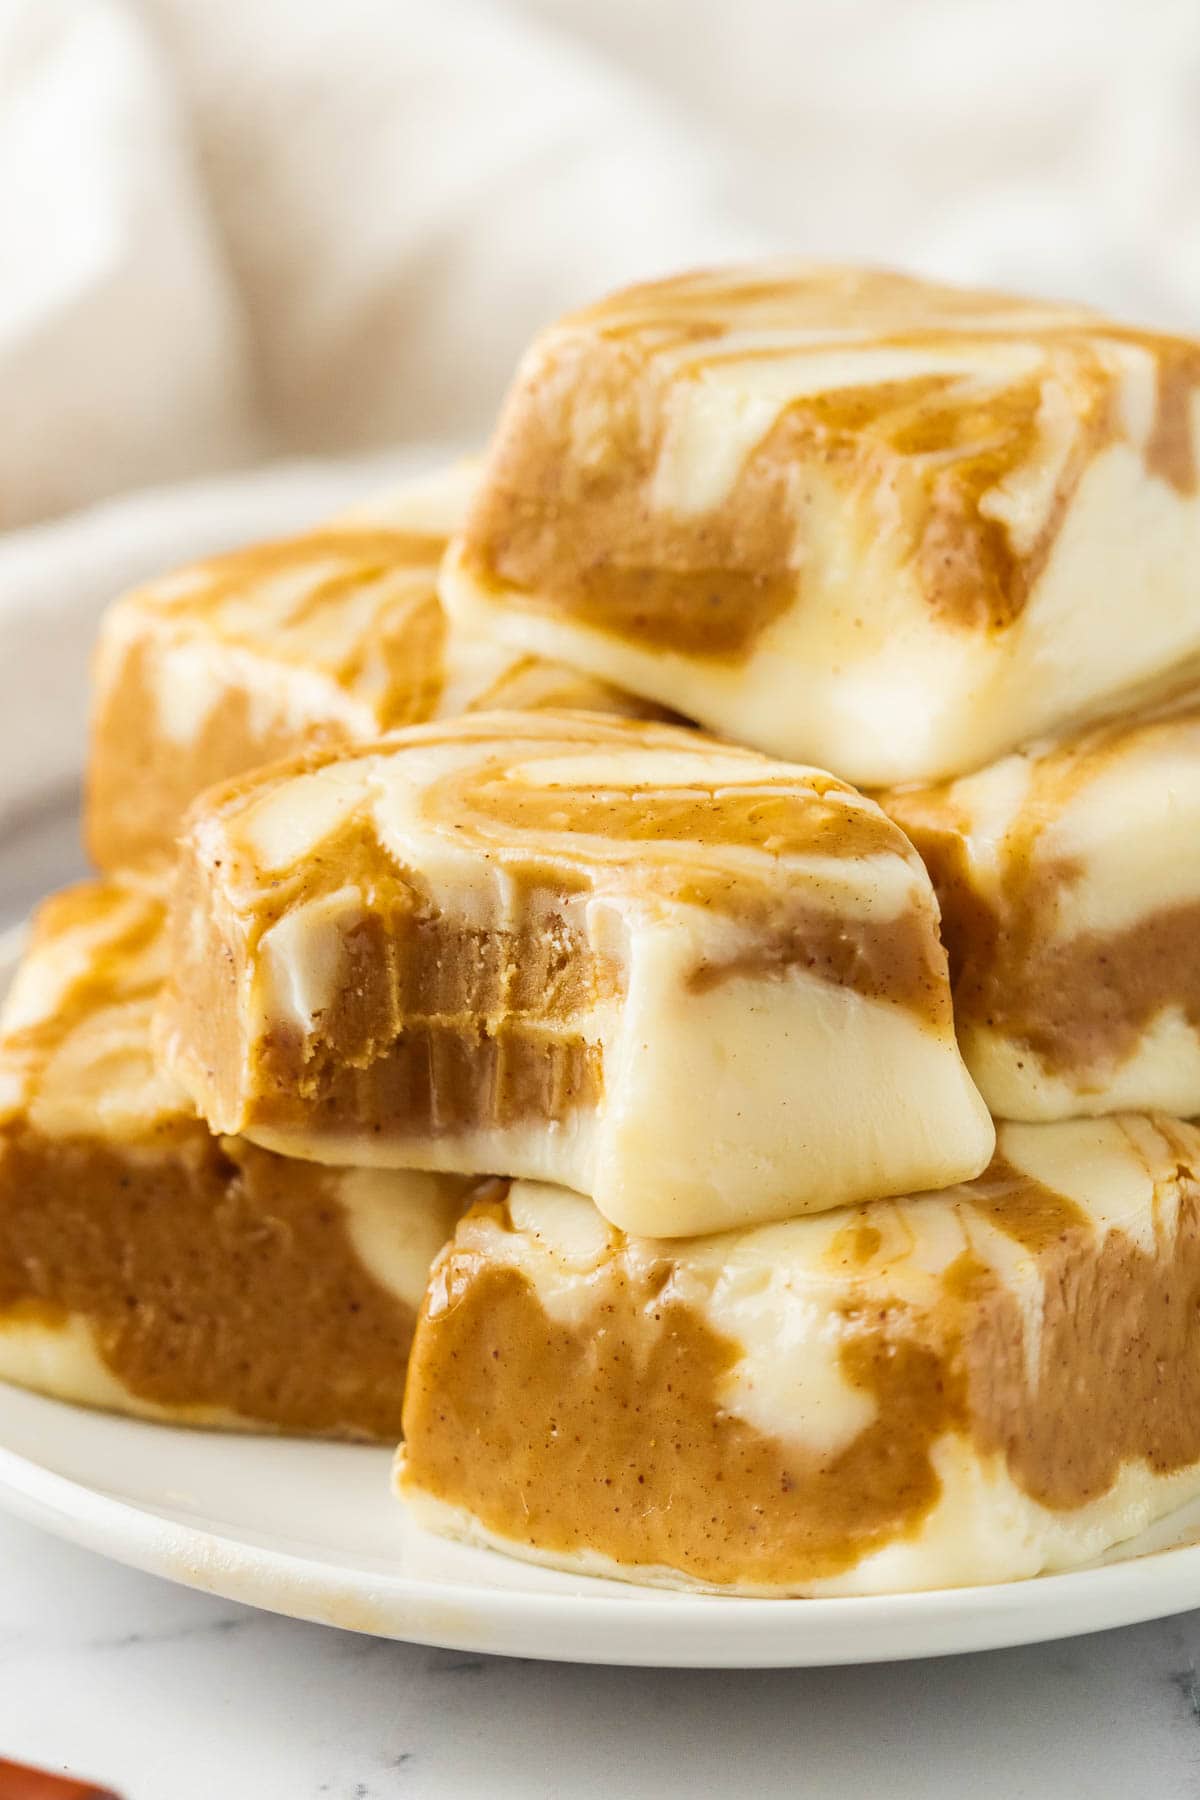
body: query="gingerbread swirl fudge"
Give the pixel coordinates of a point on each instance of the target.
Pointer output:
(964, 1387)
(885, 526)
(1069, 883)
(152, 1268)
(334, 637)
(702, 986)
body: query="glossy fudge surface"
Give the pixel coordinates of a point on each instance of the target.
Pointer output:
(332, 637)
(1069, 883)
(150, 1267)
(969, 1386)
(874, 523)
(700, 985)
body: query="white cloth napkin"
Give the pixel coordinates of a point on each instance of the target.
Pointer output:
(241, 230)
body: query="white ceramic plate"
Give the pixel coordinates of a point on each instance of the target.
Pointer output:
(311, 1530)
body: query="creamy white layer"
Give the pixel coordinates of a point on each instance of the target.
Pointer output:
(739, 1082)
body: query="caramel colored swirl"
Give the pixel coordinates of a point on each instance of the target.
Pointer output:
(614, 1441)
(574, 947)
(1080, 1004)
(331, 637)
(207, 1278)
(213, 1278)
(1069, 910)
(357, 606)
(577, 1392)
(75, 1050)
(805, 871)
(613, 498)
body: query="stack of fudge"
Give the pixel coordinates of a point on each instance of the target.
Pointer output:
(663, 968)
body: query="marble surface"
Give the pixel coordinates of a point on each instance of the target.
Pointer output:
(172, 1695)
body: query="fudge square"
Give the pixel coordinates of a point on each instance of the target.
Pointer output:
(962, 1387)
(1069, 882)
(698, 985)
(888, 527)
(149, 1267)
(333, 636)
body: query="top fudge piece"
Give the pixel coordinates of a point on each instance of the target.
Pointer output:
(331, 637)
(1069, 883)
(701, 986)
(881, 525)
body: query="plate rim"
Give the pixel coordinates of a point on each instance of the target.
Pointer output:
(646, 1628)
(592, 1622)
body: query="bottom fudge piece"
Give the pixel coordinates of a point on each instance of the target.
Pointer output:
(968, 1386)
(150, 1267)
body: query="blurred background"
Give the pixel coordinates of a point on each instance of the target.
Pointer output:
(254, 253)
